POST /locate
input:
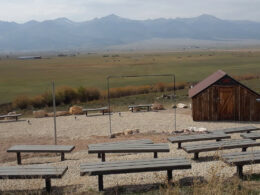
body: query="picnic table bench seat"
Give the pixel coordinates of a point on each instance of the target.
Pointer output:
(147, 106)
(128, 148)
(39, 149)
(239, 159)
(103, 109)
(244, 129)
(33, 172)
(119, 167)
(221, 145)
(11, 116)
(197, 137)
(253, 135)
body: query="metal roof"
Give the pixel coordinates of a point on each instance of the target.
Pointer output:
(206, 83)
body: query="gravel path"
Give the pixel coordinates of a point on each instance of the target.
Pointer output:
(84, 130)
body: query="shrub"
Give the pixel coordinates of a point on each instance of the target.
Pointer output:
(38, 101)
(47, 98)
(21, 102)
(65, 95)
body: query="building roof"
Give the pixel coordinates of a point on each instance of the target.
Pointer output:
(206, 83)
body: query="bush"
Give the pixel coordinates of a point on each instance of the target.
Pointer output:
(38, 101)
(65, 95)
(21, 102)
(47, 98)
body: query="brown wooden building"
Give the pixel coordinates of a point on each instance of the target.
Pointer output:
(220, 97)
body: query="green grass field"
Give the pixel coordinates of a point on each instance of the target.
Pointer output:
(32, 77)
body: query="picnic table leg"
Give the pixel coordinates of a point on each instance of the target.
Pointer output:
(240, 171)
(100, 183)
(179, 145)
(196, 156)
(62, 156)
(19, 161)
(99, 155)
(103, 156)
(103, 111)
(16, 118)
(244, 149)
(169, 175)
(48, 184)
(132, 109)
(155, 155)
(86, 113)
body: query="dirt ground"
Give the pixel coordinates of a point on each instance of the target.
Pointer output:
(82, 130)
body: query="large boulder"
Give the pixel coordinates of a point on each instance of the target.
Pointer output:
(76, 110)
(39, 114)
(157, 106)
(58, 113)
(181, 105)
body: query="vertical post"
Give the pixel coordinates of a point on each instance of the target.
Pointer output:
(48, 184)
(179, 145)
(155, 155)
(19, 161)
(54, 112)
(196, 156)
(175, 106)
(169, 175)
(240, 171)
(103, 157)
(62, 156)
(100, 183)
(108, 100)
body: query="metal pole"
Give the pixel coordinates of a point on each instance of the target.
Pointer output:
(54, 112)
(108, 100)
(175, 106)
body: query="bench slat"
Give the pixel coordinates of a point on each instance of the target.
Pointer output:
(250, 135)
(22, 172)
(236, 129)
(41, 148)
(242, 158)
(144, 141)
(227, 144)
(128, 167)
(198, 137)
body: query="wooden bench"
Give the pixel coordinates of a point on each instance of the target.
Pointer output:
(246, 129)
(40, 148)
(11, 116)
(240, 159)
(103, 109)
(147, 106)
(252, 136)
(33, 172)
(197, 137)
(221, 145)
(128, 148)
(140, 141)
(105, 168)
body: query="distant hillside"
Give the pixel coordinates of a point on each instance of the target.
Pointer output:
(62, 34)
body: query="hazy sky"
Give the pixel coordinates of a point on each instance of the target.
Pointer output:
(82, 10)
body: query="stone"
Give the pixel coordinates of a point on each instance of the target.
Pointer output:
(157, 106)
(76, 110)
(39, 114)
(181, 105)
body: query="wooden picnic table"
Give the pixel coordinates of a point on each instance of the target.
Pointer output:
(253, 135)
(239, 159)
(33, 171)
(118, 167)
(11, 116)
(103, 109)
(147, 106)
(128, 148)
(197, 137)
(221, 145)
(246, 129)
(40, 148)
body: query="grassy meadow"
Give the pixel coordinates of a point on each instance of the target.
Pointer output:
(33, 77)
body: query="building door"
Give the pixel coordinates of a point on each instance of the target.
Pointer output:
(226, 107)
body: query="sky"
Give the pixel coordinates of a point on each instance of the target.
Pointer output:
(81, 10)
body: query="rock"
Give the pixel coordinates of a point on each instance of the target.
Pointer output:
(178, 131)
(39, 114)
(58, 113)
(117, 134)
(195, 129)
(10, 113)
(157, 106)
(181, 105)
(76, 110)
(128, 132)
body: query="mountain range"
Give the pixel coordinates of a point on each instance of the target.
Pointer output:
(64, 34)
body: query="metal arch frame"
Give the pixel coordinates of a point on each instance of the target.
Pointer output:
(134, 76)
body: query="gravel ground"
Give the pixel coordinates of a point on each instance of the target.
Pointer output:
(85, 130)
